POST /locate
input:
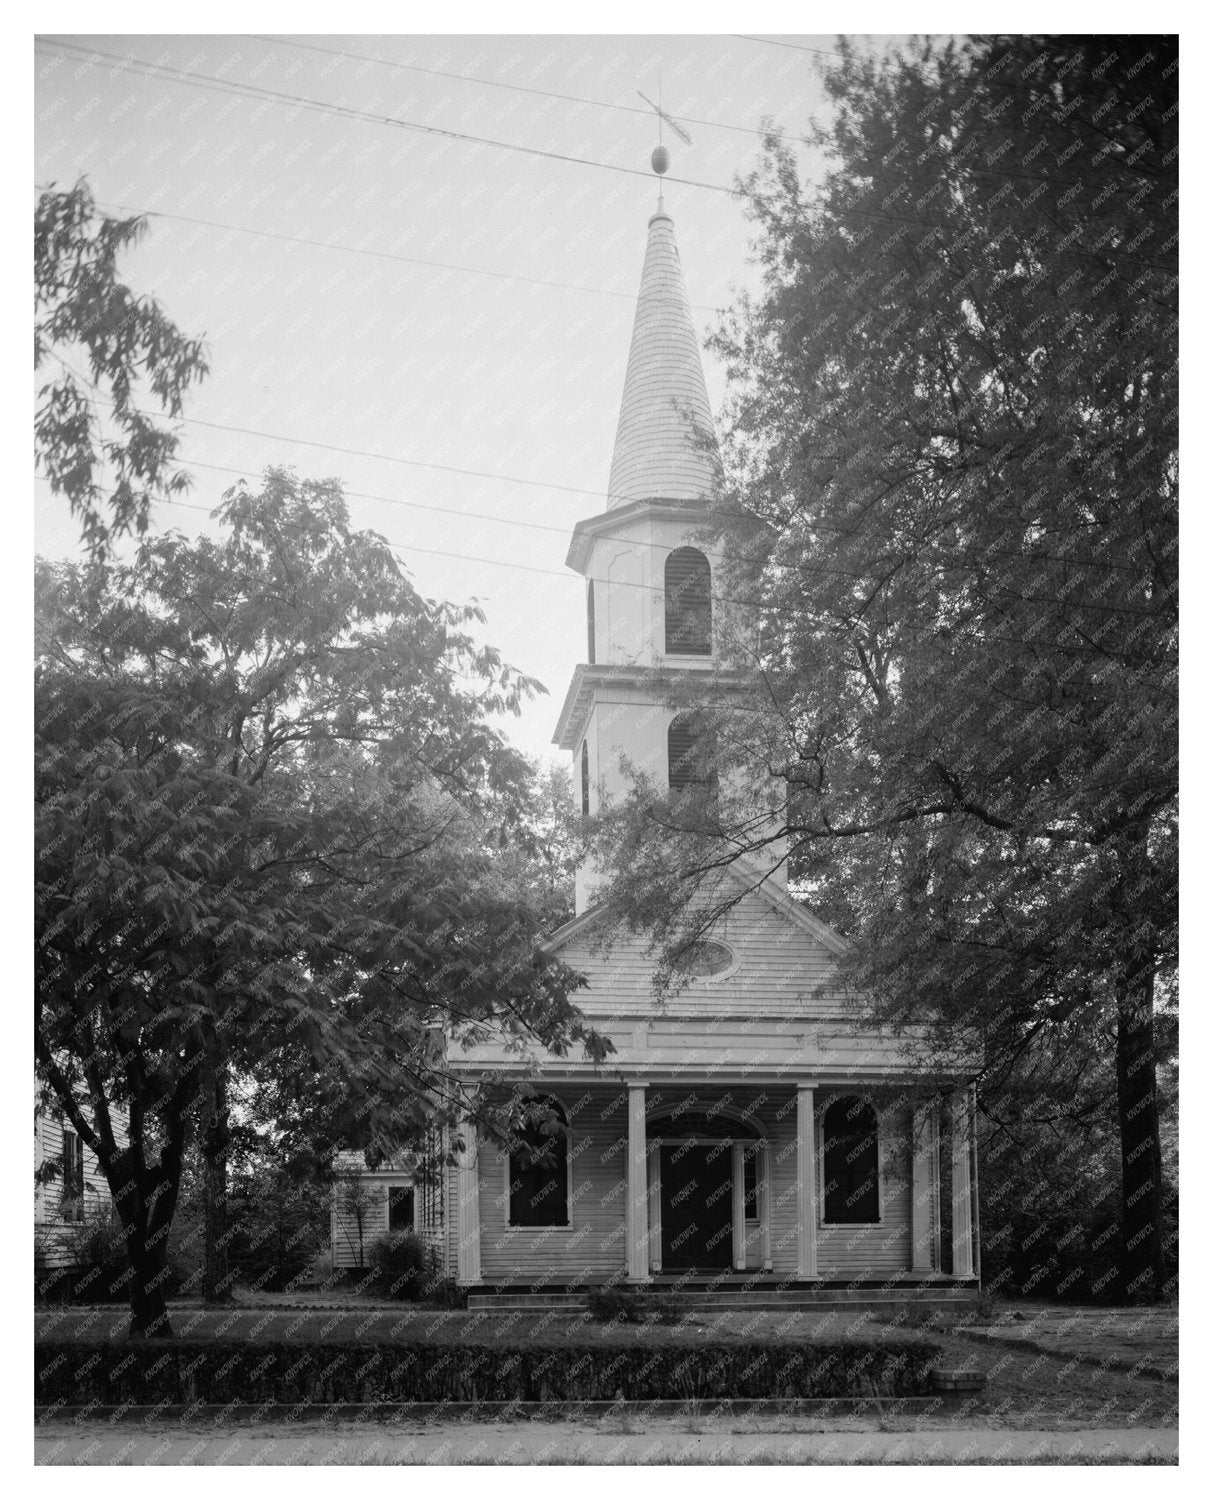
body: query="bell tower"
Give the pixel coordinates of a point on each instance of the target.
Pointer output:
(652, 604)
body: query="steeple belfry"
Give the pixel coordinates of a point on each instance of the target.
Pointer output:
(658, 455)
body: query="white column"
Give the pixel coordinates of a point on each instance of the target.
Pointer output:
(806, 1184)
(765, 1199)
(738, 1206)
(654, 1157)
(924, 1172)
(468, 1227)
(962, 1185)
(637, 1199)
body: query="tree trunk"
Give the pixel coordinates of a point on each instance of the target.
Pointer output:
(1143, 1266)
(149, 1311)
(216, 1283)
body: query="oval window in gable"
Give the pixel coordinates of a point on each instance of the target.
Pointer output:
(702, 960)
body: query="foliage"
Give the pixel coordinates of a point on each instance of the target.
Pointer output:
(953, 536)
(278, 1224)
(398, 1261)
(133, 353)
(615, 1304)
(287, 1372)
(267, 799)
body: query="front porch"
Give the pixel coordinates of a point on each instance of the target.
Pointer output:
(724, 1192)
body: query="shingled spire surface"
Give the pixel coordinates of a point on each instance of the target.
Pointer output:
(657, 453)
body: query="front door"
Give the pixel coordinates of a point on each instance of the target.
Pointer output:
(696, 1206)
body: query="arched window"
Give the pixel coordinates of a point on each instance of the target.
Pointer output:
(688, 603)
(589, 618)
(851, 1163)
(688, 756)
(585, 780)
(539, 1168)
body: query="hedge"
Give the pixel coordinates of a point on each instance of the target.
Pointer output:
(215, 1373)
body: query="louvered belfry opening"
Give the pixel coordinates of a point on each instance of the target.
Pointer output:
(689, 756)
(688, 603)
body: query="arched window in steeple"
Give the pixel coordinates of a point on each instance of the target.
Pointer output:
(589, 618)
(688, 603)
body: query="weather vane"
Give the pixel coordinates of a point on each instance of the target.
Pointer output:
(661, 157)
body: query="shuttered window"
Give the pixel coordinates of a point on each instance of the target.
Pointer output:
(851, 1163)
(688, 603)
(73, 1176)
(585, 780)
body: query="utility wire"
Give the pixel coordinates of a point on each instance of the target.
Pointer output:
(411, 260)
(239, 89)
(295, 101)
(494, 83)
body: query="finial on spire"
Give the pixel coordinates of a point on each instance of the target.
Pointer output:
(661, 157)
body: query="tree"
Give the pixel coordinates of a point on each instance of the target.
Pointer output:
(267, 798)
(133, 352)
(953, 517)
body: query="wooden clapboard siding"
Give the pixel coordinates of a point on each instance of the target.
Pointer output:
(782, 970)
(593, 1244)
(844, 1252)
(54, 1235)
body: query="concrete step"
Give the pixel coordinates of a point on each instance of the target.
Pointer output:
(756, 1301)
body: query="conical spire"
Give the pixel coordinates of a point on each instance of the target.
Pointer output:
(657, 454)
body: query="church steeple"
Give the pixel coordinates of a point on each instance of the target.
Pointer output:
(658, 454)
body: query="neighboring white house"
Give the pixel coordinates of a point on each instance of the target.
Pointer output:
(72, 1190)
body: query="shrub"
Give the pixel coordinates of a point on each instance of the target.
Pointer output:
(664, 1307)
(615, 1304)
(398, 1265)
(100, 1268)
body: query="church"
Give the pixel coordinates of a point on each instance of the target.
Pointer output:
(747, 1134)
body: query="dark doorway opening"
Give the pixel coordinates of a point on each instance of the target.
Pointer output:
(696, 1206)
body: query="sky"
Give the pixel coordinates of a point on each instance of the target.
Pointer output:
(390, 298)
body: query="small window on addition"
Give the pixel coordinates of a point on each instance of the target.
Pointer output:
(399, 1209)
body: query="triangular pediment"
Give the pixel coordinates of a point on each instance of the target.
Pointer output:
(767, 956)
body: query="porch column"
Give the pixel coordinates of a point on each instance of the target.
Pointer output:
(923, 1177)
(468, 1197)
(738, 1206)
(806, 1184)
(654, 1157)
(962, 1185)
(765, 1199)
(637, 1188)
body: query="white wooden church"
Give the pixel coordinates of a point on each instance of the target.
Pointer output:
(747, 1134)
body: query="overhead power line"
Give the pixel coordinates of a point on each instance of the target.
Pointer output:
(411, 260)
(496, 83)
(210, 83)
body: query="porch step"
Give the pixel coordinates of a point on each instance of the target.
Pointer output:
(768, 1299)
